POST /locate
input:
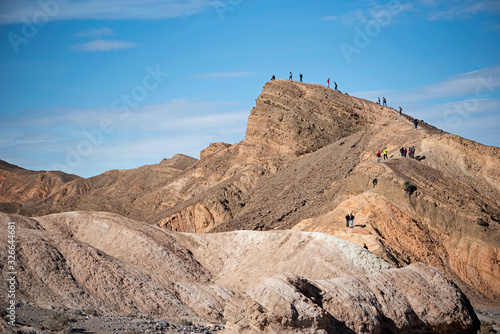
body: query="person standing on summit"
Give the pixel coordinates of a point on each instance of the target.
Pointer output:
(290, 77)
(301, 77)
(335, 85)
(328, 82)
(384, 101)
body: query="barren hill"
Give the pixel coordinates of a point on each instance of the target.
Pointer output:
(109, 263)
(308, 158)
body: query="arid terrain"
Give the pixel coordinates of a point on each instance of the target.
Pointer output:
(253, 235)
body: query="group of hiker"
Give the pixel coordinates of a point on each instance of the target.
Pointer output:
(349, 218)
(410, 152)
(384, 101)
(301, 77)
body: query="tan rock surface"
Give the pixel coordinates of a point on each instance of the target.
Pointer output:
(415, 299)
(113, 264)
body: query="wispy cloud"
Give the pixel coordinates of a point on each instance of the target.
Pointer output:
(92, 33)
(465, 10)
(224, 75)
(467, 104)
(103, 45)
(146, 134)
(14, 11)
(475, 84)
(371, 14)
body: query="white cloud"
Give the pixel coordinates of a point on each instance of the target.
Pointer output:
(465, 10)
(373, 13)
(144, 135)
(103, 45)
(330, 18)
(14, 11)
(94, 33)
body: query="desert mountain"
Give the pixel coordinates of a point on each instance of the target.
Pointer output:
(113, 264)
(307, 160)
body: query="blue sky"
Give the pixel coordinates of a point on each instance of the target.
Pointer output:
(89, 86)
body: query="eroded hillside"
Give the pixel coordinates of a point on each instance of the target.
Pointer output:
(253, 281)
(308, 158)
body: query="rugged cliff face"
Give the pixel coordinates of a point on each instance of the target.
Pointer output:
(307, 160)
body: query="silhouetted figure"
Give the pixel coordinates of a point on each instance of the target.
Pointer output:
(400, 110)
(379, 100)
(273, 78)
(290, 77)
(384, 101)
(335, 85)
(301, 77)
(416, 123)
(402, 151)
(364, 246)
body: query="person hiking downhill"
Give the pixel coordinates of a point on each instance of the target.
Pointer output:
(385, 154)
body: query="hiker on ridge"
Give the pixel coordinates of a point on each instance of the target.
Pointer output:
(301, 77)
(384, 101)
(290, 77)
(352, 220)
(385, 154)
(347, 217)
(416, 123)
(335, 85)
(328, 82)
(400, 110)
(273, 78)
(379, 100)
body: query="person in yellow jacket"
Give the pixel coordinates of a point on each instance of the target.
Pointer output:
(385, 154)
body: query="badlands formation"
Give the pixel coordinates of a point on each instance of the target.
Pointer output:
(253, 234)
